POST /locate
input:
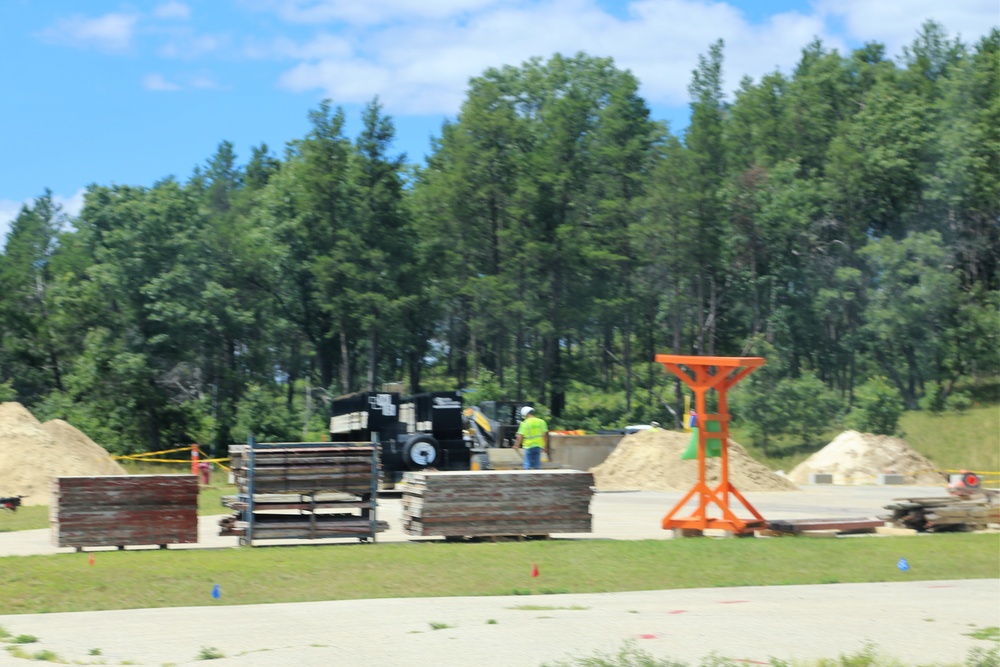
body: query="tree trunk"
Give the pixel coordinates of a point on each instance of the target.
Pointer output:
(372, 358)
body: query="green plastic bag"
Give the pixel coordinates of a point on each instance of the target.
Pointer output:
(713, 447)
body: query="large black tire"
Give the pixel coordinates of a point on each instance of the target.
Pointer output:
(421, 451)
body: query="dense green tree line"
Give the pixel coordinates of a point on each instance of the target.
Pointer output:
(842, 220)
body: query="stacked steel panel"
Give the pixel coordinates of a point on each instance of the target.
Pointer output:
(497, 503)
(124, 510)
(298, 491)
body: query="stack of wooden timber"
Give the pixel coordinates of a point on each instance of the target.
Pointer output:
(124, 510)
(300, 491)
(494, 503)
(344, 468)
(297, 515)
(310, 526)
(942, 514)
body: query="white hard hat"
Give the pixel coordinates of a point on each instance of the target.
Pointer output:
(525, 410)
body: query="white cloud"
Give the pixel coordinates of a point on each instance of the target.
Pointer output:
(172, 10)
(370, 12)
(424, 67)
(895, 24)
(323, 45)
(189, 46)
(158, 83)
(111, 32)
(73, 204)
(418, 56)
(10, 209)
(203, 82)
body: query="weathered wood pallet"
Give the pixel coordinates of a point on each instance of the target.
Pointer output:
(124, 510)
(500, 503)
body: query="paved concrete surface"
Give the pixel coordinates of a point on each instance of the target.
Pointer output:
(918, 622)
(633, 515)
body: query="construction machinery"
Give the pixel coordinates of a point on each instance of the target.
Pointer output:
(10, 503)
(493, 424)
(418, 432)
(424, 431)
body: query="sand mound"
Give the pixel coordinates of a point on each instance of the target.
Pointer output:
(858, 458)
(31, 454)
(651, 461)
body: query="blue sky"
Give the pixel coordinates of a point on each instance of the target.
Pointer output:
(107, 91)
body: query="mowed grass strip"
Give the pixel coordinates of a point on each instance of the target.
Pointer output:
(955, 441)
(158, 578)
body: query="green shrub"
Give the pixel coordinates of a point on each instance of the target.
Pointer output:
(877, 408)
(210, 653)
(934, 398)
(958, 402)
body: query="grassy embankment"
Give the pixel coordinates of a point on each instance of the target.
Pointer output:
(951, 440)
(184, 577)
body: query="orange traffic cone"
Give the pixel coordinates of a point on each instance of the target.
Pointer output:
(90, 561)
(534, 570)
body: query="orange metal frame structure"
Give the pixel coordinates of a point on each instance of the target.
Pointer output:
(704, 374)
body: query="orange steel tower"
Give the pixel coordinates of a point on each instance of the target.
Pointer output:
(704, 374)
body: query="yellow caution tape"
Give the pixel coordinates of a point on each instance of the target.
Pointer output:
(145, 460)
(165, 451)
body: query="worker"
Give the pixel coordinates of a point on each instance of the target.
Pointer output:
(654, 426)
(532, 436)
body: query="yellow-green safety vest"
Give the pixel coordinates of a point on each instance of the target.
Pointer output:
(533, 429)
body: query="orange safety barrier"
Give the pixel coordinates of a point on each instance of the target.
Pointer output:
(703, 374)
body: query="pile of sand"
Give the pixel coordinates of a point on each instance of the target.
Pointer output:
(651, 461)
(32, 454)
(858, 458)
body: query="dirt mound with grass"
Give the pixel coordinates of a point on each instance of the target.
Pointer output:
(32, 454)
(651, 461)
(859, 458)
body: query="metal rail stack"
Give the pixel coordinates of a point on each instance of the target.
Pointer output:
(303, 490)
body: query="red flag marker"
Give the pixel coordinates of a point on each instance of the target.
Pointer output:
(90, 561)
(534, 570)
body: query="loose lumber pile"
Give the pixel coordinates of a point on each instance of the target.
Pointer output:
(846, 526)
(124, 510)
(291, 468)
(303, 491)
(494, 503)
(942, 514)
